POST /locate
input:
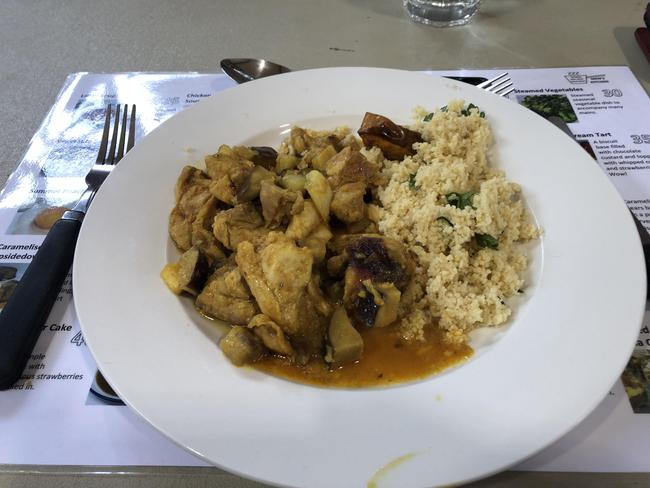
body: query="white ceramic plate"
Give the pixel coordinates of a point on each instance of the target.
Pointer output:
(565, 348)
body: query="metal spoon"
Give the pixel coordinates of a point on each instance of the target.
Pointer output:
(242, 70)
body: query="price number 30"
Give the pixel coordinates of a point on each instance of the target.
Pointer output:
(612, 93)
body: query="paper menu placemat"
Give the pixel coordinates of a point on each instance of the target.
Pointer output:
(60, 414)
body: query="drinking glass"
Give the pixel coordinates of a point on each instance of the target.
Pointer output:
(441, 13)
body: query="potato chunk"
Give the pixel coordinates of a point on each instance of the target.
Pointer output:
(320, 192)
(345, 342)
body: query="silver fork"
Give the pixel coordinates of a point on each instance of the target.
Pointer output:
(106, 161)
(22, 318)
(499, 85)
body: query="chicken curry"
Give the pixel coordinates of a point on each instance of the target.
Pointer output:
(283, 246)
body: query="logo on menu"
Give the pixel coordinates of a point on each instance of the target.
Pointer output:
(577, 78)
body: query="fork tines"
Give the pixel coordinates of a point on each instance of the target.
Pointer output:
(116, 150)
(499, 85)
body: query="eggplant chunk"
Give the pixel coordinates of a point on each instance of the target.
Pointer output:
(377, 270)
(230, 169)
(345, 342)
(189, 177)
(187, 274)
(241, 346)
(264, 156)
(277, 203)
(201, 232)
(395, 141)
(250, 189)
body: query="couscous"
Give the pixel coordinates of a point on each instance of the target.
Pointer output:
(462, 219)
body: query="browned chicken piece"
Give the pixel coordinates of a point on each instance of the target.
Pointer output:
(378, 270)
(320, 302)
(278, 274)
(271, 334)
(347, 202)
(304, 140)
(180, 230)
(250, 265)
(192, 200)
(309, 230)
(192, 192)
(298, 139)
(304, 223)
(202, 236)
(240, 223)
(395, 141)
(287, 270)
(227, 297)
(348, 166)
(190, 176)
(241, 346)
(278, 204)
(349, 173)
(229, 169)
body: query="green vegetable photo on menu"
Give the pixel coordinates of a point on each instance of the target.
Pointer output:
(549, 105)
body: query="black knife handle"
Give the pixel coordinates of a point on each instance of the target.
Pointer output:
(22, 318)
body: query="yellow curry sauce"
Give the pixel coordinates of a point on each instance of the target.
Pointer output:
(387, 359)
